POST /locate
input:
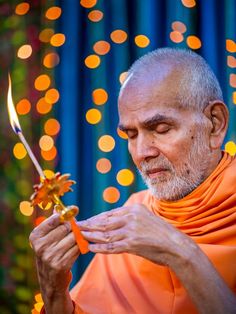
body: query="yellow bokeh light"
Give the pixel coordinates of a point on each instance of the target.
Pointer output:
(194, 42)
(95, 15)
(122, 134)
(50, 154)
(106, 143)
(101, 47)
(141, 41)
(23, 106)
(99, 96)
(38, 297)
(118, 36)
(176, 37)
(111, 195)
(88, 3)
(230, 45)
(48, 174)
(103, 165)
(52, 96)
(38, 306)
(232, 80)
(189, 3)
(93, 116)
(234, 97)
(52, 127)
(24, 52)
(51, 60)
(92, 61)
(179, 27)
(26, 209)
(42, 82)
(46, 142)
(53, 13)
(46, 34)
(57, 40)
(230, 147)
(125, 177)
(43, 107)
(123, 77)
(19, 151)
(22, 8)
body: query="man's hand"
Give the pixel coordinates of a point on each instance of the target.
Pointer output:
(56, 251)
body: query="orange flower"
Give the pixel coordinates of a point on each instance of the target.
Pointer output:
(49, 189)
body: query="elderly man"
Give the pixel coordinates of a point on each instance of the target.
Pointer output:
(171, 248)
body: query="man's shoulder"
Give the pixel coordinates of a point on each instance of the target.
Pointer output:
(137, 197)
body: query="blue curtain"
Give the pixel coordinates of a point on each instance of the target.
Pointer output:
(213, 22)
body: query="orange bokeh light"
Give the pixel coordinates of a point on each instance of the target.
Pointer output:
(176, 37)
(106, 143)
(46, 34)
(42, 82)
(50, 154)
(24, 52)
(92, 61)
(230, 45)
(53, 13)
(234, 97)
(99, 96)
(23, 106)
(19, 151)
(26, 209)
(141, 41)
(42, 106)
(22, 8)
(93, 116)
(46, 143)
(179, 27)
(111, 195)
(194, 42)
(101, 47)
(58, 39)
(231, 61)
(118, 36)
(52, 127)
(88, 3)
(51, 60)
(123, 77)
(52, 96)
(189, 3)
(103, 165)
(95, 15)
(232, 80)
(122, 134)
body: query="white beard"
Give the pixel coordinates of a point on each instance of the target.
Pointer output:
(177, 183)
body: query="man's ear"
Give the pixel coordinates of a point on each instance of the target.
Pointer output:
(218, 114)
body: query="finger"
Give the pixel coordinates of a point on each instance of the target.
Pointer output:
(104, 237)
(110, 248)
(46, 226)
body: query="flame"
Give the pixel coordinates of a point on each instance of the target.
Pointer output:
(15, 124)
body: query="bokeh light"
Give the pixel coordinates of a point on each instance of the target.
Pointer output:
(93, 116)
(189, 3)
(123, 77)
(88, 3)
(42, 82)
(46, 34)
(194, 42)
(23, 106)
(57, 40)
(230, 45)
(95, 15)
(231, 61)
(234, 97)
(125, 177)
(19, 151)
(176, 37)
(101, 47)
(179, 27)
(103, 165)
(50, 154)
(106, 143)
(22, 8)
(43, 107)
(111, 195)
(118, 36)
(122, 134)
(46, 142)
(99, 96)
(230, 147)
(48, 173)
(24, 52)
(52, 96)
(141, 41)
(92, 61)
(53, 13)
(26, 209)
(51, 60)
(232, 80)
(52, 127)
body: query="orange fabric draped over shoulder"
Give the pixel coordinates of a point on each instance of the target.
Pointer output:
(125, 283)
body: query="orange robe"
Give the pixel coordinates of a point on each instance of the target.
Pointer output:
(125, 283)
